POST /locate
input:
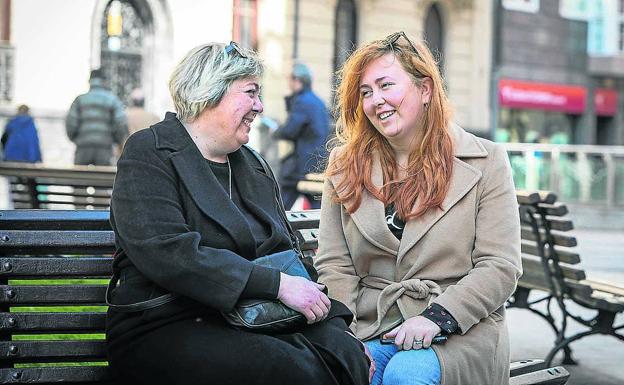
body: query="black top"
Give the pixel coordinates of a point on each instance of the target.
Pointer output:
(260, 278)
(434, 312)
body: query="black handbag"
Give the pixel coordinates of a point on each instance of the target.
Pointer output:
(260, 315)
(270, 316)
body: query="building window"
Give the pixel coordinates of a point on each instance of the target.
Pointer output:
(434, 34)
(245, 25)
(621, 6)
(122, 43)
(621, 37)
(345, 33)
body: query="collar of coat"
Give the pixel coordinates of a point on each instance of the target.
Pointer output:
(370, 216)
(254, 186)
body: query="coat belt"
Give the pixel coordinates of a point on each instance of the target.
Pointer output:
(391, 292)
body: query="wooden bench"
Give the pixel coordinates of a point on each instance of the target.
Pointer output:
(34, 186)
(550, 266)
(54, 266)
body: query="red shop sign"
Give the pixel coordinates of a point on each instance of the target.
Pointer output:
(605, 101)
(541, 96)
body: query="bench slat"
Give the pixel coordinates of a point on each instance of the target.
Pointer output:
(47, 294)
(529, 247)
(536, 281)
(555, 209)
(558, 238)
(53, 322)
(46, 375)
(534, 265)
(55, 351)
(606, 287)
(308, 219)
(308, 239)
(602, 300)
(527, 197)
(57, 242)
(24, 267)
(525, 366)
(552, 376)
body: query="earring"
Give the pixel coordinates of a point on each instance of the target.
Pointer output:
(426, 106)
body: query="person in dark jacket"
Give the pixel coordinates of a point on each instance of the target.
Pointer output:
(307, 127)
(95, 122)
(191, 209)
(20, 141)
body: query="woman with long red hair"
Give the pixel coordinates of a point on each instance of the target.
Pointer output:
(419, 233)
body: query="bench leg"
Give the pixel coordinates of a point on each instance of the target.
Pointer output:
(567, 359)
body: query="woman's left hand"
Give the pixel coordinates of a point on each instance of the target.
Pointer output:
(415, 333)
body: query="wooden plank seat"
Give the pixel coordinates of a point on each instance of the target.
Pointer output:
(54, 267)
(550, 265)
(75, 187)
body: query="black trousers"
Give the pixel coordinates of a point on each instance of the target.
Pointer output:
(205, 350)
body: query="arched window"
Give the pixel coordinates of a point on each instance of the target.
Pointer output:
(123, 30)
(245, 23)
(434, 33)
(346, 32)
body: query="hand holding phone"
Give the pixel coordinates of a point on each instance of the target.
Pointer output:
(436, 340)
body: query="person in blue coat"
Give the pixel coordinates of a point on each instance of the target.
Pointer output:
(20, 141)
(307, 126)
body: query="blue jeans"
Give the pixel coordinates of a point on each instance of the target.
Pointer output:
(409, 367)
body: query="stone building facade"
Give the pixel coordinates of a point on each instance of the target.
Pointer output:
(48, 47)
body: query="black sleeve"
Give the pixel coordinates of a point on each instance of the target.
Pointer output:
(442, 318)
(150, 225)
(263, 283)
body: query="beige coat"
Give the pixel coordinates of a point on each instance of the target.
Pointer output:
(465, 257)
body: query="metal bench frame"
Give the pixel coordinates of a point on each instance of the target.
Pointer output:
(536, 212)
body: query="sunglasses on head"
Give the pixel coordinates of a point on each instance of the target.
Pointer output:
(391, 40)
(233, 47)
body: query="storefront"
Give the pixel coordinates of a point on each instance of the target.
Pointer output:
(535, 112)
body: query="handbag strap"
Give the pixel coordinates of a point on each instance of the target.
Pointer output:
(278, 196)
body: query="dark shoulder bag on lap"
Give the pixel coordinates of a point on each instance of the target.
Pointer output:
(259, 315)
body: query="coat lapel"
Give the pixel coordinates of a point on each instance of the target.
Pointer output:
(202, 185)
(463, 179)
(257, 190)
(370, 217)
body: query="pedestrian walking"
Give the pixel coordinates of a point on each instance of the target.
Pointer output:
(307, 127)
(96, 121)
(20, 141)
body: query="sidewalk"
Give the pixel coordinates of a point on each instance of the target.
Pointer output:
(600, 358)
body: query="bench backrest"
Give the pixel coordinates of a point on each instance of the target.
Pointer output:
(77, 187)
(548, 256)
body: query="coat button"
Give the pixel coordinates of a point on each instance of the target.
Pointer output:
(199, 319)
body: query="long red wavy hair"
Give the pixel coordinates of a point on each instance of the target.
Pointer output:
(430, 162)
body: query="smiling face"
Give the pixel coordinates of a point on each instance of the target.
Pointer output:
(391, 100)
(231, 118)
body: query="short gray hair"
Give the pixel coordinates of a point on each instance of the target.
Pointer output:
(206, 73)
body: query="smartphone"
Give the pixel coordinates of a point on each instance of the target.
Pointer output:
(436, 340)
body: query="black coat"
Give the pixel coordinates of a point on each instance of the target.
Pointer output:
(177, 231)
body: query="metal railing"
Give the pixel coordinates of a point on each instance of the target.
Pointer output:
(577, 173)
(6, 72)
